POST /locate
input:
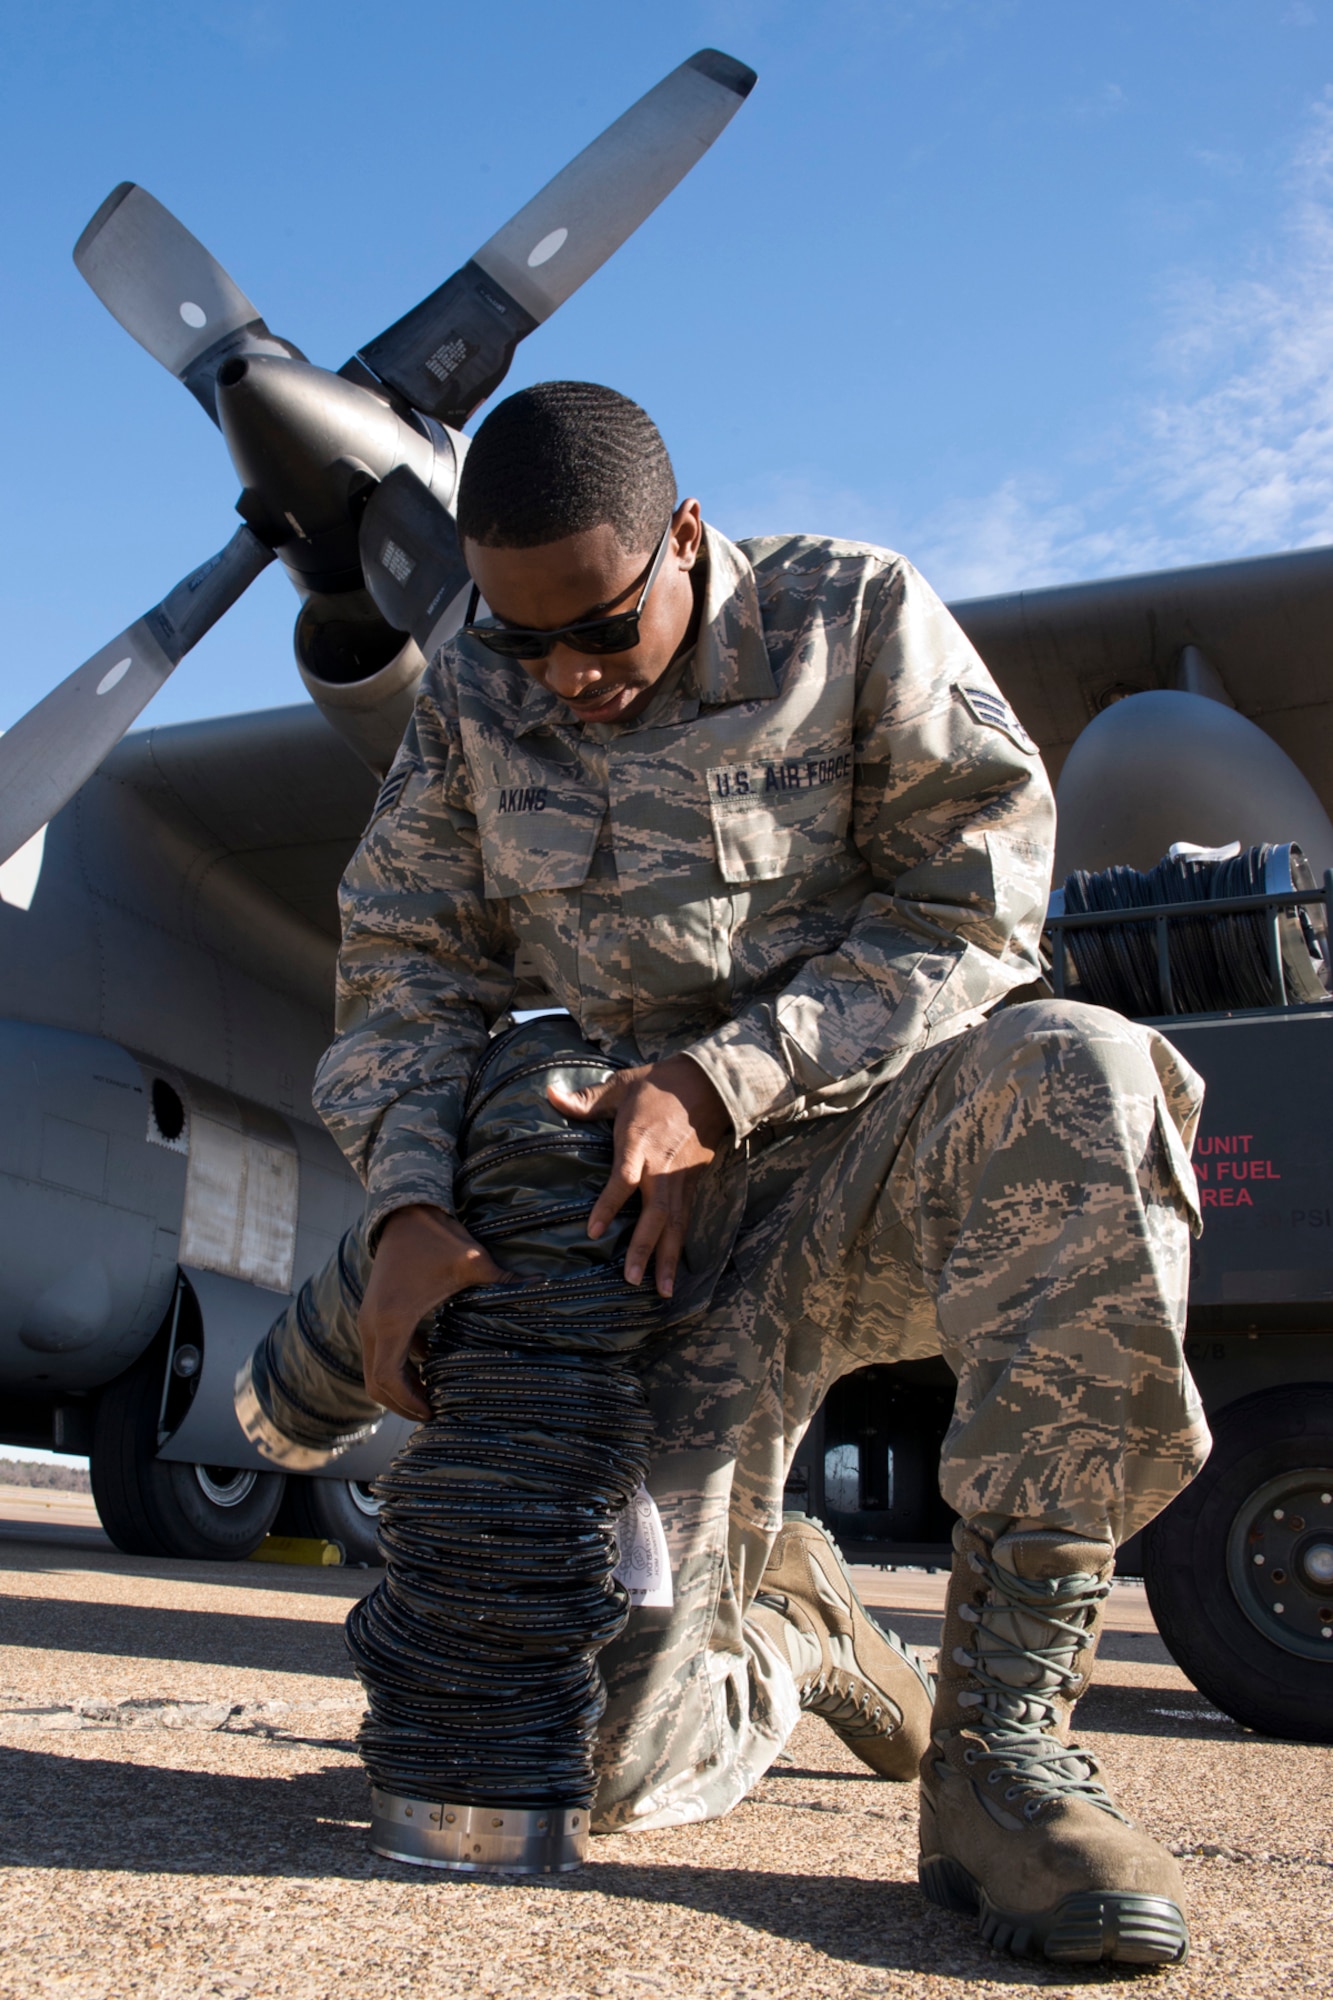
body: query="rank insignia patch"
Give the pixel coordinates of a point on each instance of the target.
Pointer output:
(393, 788)
(991, 709)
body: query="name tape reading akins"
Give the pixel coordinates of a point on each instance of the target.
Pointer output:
(521, 799)
(1224, 1165)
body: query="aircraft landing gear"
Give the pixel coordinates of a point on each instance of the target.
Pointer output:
(333, 1510)
(152, 1508)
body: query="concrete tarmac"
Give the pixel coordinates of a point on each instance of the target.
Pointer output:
(183, 1816)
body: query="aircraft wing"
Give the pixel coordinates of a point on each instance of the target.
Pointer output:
(273, 794)
(250, 821)
(277, 795)
(1265, 625)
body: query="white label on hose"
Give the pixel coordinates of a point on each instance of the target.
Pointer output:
(1188, 850)
(644, 1566)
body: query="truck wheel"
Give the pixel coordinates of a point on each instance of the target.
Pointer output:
(150, 1507)
(333, 1510)
(1239, 1568)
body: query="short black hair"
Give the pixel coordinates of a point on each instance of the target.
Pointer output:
(562, 457)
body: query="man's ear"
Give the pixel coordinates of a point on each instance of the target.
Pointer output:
(687, 533)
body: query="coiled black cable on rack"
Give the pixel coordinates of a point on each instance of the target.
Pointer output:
(1216, 962)
(478, 1652)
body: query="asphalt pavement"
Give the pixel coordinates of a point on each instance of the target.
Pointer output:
(182, 1814)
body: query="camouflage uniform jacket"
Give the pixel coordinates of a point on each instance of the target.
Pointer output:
(823, 847)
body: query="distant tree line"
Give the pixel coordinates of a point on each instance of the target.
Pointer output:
(27, 1472)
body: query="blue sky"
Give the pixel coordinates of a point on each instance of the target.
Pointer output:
(1031, 289)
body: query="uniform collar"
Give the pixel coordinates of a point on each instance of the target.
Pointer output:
(729, 661)
(730, 658)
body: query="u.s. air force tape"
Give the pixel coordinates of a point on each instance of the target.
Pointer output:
(990, 708)
(735, 787)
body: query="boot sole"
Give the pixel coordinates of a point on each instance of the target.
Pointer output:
(1087, 1928)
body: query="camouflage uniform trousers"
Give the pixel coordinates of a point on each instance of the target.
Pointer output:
(1019, 1201)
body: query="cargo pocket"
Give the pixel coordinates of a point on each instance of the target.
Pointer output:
(1179, 1170)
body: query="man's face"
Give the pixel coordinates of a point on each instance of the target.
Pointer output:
(589, 576)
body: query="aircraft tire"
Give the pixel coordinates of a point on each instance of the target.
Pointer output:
(333, 1510)
(1239, 1568)
(150, 1507)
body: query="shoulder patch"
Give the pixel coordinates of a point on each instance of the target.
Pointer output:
(392, 789)
(992, 711)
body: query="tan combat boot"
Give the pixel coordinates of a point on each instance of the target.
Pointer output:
(1014, 1823)
(862, 1680)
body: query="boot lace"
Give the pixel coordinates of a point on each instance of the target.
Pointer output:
(1017, 1722)
(856, 1713)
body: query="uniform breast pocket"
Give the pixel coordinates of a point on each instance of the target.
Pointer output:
(534, 839)
(776, 819)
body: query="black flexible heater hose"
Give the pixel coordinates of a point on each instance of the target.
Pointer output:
(1217, 962)
(478, 1652)
(301, 1397)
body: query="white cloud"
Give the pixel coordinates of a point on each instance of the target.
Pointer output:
(1232, 456)
(1020, 535)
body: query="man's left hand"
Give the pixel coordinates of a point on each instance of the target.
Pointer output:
(669, 1123)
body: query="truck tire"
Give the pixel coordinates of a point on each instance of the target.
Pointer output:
(1239, 1568)
(150, 1507)
(333, 1510)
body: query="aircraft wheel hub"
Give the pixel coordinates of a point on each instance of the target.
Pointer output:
(223, 1485)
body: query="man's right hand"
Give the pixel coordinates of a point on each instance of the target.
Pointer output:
(422, 1259)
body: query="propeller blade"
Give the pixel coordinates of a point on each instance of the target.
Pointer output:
(58, 744)
(169, 292)
(412, 560)
(449, 353)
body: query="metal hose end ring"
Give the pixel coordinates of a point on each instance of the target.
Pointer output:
(275, 1445)
(507, 1840)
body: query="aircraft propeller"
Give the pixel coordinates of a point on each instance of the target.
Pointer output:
(412, 560)
(348, 479)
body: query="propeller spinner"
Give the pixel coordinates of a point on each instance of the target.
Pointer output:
(313, 449)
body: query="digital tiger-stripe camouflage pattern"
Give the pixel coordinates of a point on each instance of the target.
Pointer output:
(818, 863)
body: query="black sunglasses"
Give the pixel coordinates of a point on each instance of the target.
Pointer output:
(617, 634)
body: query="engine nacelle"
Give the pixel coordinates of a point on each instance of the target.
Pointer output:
(359, 672)
(91, 1194)
(354, 650)
(1165, 766)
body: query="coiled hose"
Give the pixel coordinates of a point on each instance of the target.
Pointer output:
(1217, 962)
(478, 1652)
